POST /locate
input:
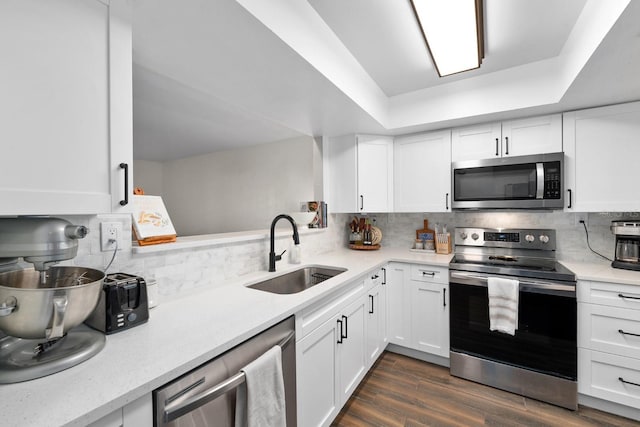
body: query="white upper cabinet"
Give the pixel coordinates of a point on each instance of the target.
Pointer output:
(602, 148)
(359, 173)
(534, 135)
(66, 106)
(422, 172)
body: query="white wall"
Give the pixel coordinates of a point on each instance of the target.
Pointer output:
(239, 189)
(148, 176)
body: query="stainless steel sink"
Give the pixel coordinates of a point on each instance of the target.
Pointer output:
(298, 280)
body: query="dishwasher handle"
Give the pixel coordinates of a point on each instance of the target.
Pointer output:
(174, 410)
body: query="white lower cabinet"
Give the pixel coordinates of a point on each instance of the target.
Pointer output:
(376, 317)
(398, 301)
(138, 413)
(331, 361)
(317, 382)
(430, 318)
(609, 342)
(418, 307)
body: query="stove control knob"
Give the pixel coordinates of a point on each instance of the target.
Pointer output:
(475, 236)
(529, 238)
(463, 235)
(544, 238)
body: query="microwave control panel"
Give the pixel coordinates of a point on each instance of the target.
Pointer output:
(552, 186)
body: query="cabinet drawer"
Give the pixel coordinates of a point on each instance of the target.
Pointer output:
(312, 317)
(610, 377)
(613, 294)
(428, 273)
(609, 329)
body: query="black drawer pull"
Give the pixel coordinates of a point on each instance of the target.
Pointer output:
(622, 380)
(429, 273)
(384, 280)
(628, 333)
(627, 296)
(346, 326)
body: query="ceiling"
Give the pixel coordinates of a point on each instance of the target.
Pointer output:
(216, 75)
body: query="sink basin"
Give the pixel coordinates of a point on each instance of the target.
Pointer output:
(298, 280)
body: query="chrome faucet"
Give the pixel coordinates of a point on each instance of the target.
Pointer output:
(272, 254)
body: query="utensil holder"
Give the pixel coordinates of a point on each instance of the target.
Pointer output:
(443, 243)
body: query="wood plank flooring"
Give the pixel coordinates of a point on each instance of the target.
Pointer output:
(401, 391)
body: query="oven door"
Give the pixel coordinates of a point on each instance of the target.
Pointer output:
(545, 340)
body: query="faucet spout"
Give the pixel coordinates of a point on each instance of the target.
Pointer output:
(272, 253)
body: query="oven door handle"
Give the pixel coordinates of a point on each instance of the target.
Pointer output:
(525, 285)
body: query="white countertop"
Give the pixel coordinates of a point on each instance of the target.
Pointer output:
(180, 335)
(190, 330)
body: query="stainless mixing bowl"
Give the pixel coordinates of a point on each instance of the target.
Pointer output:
(33, 308)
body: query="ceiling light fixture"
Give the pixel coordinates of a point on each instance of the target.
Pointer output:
(453, 31)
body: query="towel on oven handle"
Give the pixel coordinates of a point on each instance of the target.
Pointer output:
(503, 304)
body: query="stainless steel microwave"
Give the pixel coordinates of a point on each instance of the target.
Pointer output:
(521, 182)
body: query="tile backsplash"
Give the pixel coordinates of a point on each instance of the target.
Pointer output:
(399, 228)
(185, 270)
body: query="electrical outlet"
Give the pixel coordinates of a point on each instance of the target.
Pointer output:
(110, 232)
(581, 217)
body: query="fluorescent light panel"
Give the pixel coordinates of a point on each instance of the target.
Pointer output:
(453, 30)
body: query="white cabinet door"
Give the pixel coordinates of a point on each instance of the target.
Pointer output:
(66, 104)
(476, 142)
(351, 349)
(376, 322)
(534, 135)
(601, 151)
(375, 173)
(358, 173)
(430, 318)
(340, 157)
(398, 304)
(317, 376)
(422, 172)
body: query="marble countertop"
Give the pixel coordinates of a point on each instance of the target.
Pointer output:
(181, 334)
(194, 328)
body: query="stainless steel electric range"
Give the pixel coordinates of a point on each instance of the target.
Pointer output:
(540, 359)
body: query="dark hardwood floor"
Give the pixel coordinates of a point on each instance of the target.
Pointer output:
(401, 391)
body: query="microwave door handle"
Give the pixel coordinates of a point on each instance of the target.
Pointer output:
(540, 180)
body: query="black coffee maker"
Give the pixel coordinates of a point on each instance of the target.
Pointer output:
(627, 244)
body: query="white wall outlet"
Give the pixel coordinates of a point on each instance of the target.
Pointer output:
(110, 233)
(581, 217)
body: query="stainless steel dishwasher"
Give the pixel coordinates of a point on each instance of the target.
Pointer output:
(206, 396)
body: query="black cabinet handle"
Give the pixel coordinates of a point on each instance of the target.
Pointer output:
(446, 201)
(506, 138)
(569, 207)
(340, 333)
(384, 276)
(346, 326)
(444, 297)
(628, 333)
(429, 273)
(627, 296)
(126, 184)
(375, 276)
(361, 202)
(371, 300)
(497, 147)
(622, 380)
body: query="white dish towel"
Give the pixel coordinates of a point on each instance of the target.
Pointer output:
(503, 304)
(260, 402)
